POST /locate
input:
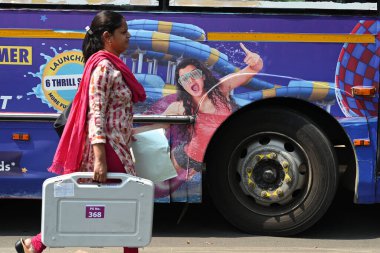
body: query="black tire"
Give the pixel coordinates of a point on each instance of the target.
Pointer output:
(314, 189)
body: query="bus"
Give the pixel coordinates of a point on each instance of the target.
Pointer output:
(269, 104)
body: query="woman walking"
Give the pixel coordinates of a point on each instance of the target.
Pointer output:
(99, 129)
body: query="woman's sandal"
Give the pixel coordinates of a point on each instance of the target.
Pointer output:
(21, 247)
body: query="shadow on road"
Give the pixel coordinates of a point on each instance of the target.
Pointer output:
(343, 221)
(347, 221)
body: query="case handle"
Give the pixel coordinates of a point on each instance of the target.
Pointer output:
(89, 175)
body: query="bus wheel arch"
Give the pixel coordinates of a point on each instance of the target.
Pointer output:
(304, 114)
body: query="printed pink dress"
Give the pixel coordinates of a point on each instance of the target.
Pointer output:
(109, 118)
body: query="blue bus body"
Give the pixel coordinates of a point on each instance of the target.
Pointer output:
(323, 72)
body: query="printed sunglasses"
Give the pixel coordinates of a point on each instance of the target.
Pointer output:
(185, 79)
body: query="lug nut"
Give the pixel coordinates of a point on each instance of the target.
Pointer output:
(249, 170)
(285, 164)
(280, 193)
(259, 157)
(265, 194)
(287, 179)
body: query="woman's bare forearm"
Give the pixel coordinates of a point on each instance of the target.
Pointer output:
(99, 152)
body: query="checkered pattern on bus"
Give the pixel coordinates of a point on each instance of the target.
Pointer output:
(358, 65)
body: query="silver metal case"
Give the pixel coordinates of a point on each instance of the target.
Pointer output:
(76, 213)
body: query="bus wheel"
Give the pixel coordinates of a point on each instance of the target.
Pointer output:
(271, 171)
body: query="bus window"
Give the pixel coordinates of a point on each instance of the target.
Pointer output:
(282, 4)
(85, 2)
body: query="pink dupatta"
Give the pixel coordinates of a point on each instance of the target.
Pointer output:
(68, 155)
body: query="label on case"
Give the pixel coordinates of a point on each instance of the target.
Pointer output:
(63, 190)
(95, 212)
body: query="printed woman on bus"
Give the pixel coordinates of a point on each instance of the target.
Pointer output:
(99, 128)
(200, 93)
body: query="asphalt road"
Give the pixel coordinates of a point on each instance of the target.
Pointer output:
(345, 228)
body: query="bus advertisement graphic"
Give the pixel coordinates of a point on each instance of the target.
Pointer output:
(10, 163)
(14, 55)
(165, 55)
(61, 78)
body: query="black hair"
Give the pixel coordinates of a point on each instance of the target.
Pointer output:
(102, 22)
(216, 96)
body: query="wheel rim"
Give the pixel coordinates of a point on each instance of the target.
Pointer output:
(269, 173)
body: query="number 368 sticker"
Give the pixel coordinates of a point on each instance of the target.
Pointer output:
(95, 212)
